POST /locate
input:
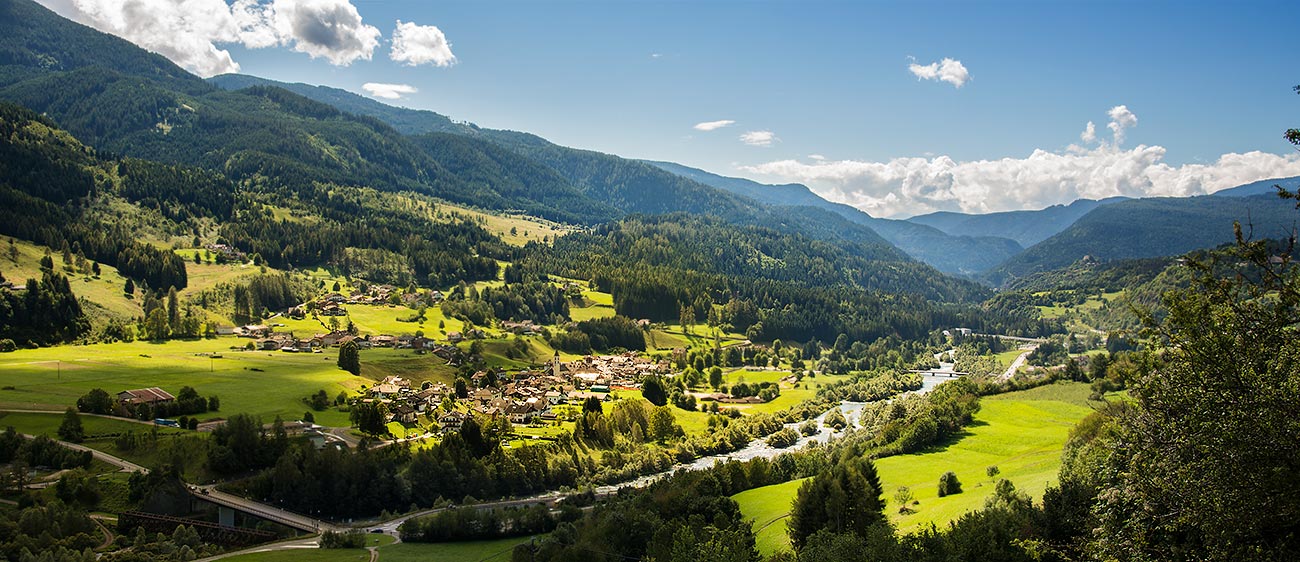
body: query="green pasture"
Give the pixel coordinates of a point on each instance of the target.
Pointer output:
(1021, 433)
(263, 383)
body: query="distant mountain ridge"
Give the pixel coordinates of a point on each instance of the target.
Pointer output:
(1153, 227)
(963, 255)
(1026, 227)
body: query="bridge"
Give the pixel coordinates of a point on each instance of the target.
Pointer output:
(228, 504)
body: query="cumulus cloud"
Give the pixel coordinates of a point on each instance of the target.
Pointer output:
(414, 45)
(1089, 133)
(947, 70)
(388, 91)
(758, 138)
(1120, 119)
(191, 32)
(912, 186)
(713, 125)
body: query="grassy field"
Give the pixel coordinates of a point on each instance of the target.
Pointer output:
(1006, 358)
(389, 552)
(261, 383)
(516, 230)
(48, 424)
(790, 396)
(105, 290)
(1020, 432)
(769, 508)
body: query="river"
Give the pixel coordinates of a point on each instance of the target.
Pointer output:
(759, 448)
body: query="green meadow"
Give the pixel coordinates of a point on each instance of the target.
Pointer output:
(1022, 433)
(389, 552)
(263, 383)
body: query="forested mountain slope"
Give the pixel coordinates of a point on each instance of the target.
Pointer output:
(1154, 227)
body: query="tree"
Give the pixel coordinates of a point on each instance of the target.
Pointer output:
(129, 287)
(715, 377)
(1209, 460)
(173, 310)
(845, 499)
(156, 326)
(652, 388)
(71, 429)
(214, 403)
(369, 417)
(97, 401)
(949, 484)
(663, 425)
(350, 358)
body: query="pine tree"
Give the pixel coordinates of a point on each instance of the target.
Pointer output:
(350, 358)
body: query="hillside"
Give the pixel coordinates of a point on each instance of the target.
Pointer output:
(1155, 227)
(1262, 187)
(1025, 227)
(959, 254)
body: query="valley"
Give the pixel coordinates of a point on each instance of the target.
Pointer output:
(253, 319)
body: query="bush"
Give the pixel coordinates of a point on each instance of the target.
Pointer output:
(949, 484)
(351, 539)
(7, 345)
(784, 438)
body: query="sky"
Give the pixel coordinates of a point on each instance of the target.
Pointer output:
(897, 108)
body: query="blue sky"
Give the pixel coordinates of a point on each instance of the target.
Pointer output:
(830, 82)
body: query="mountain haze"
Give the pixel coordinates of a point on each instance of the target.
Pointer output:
(1025, 227)
(951, 254)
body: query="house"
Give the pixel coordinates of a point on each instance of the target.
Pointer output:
(386, 390)
(455, 337)
(268, 344)
(451, 421)
(520, 413)
(151, 395)
(225, 330)
(403, 413)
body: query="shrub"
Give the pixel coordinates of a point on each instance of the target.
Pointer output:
(949, 484)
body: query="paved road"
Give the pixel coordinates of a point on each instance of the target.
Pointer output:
(1018, 363)
(124, 465)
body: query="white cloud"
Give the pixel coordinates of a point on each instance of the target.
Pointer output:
(912, 186)
(758, 138)
(388, 91)
(713, 125)
(191, 32)
(1121, 118)
(330, 29)
(1089, 133)
(817, 157)
(421, 44)
(947, 70)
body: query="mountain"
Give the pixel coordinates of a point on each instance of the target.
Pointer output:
(405, 121)
(1025, 227)
(1153, 227)
(1260, 187)
(521, 163)
(959, 254)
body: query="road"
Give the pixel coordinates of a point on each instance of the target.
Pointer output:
(1018, 363)
(123, 464)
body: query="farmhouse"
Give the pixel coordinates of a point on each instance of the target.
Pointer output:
(151, 395)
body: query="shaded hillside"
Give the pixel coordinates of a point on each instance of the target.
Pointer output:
(1025, 227)
(1261, 187)
(1145, 228)
(947, 253)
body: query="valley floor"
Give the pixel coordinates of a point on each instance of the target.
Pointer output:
(1022, 433)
